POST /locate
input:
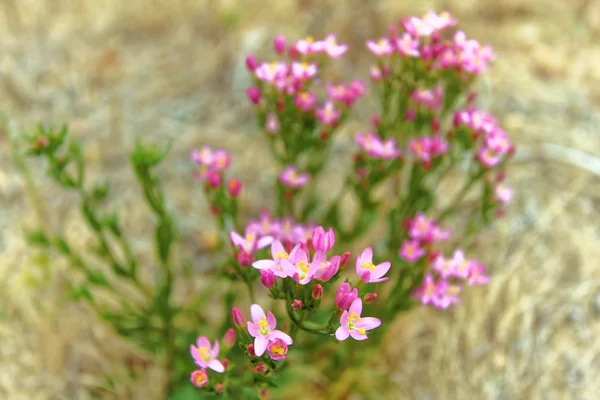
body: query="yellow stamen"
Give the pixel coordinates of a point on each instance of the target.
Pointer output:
(264, 326)
(281, 255)
(277, 350)
(362, 331)
(368, 265)
(303, 266)
(204, 354)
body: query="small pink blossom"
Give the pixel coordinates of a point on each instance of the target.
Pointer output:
(374, 147)
(279, 44)
(438, 146)
(332, 48)
(488, 157)
(503, 194)
(221, 160)
(272, 123)
(250, 242)
(199, 378)
(352, 324)
(291, 178)
(277, 349)
(429, 292)
(439, 21)
(477, 275)
(328, 114)
(205, 356)
(431, 98)
(417, 27)
(262, 329)
(305, 101)
(368, 271)
(448, 294)
(267, 278)
(254, 94)
(309, 46)
(269, 72)
(383, 47)
(321, 240)
(421, 148)
(411, 251)
(345, 295)
(327, 269)
(203, 157)
(304, 70)
(274, 266)
(299, 267)
(408, 46)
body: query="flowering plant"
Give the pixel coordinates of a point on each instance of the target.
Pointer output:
(426, 132)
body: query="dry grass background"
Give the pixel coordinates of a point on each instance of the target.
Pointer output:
(173, 68)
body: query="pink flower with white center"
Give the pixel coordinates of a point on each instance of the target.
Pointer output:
(352, 324)
(448, 294)
(429, 292)
(411, 251)
(430, 98)
(299, 267)
(421, 227)
(439, 21)
(503, 193)
(477, 275)
(328, 269)
(272, 123)
(278, 253)
(250, 242)
(292, 179)
(446, 59)
(304, 70)
(438, 146)
(498, 141)
(345, 296)
(321, 240)
(309, 46)
(269, 72)
(203, 157)
(438, 234)
(488, 157)
(199, 378)
(277, 349)
(332, 48)
(221, 160)
(459, 265)
(443, 267)
(381, 48)
(305, 101)
(262, 329)
(337, 92)
(328, 114)
(417, 27)
(408, 46)
(205, 356)
(369, 272)
(421, 148)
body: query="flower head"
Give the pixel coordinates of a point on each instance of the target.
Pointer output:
(345, 296)
(411, 251)
(383, 47)
(503, 194)
(291, 178)
(368, 271)
(408, 46)
(199, 378)
(299, 267)
(352, 324)
(262, 329)
(277, 349)
(205, 356)
(328, 114)
(322, 240)
(332, 48)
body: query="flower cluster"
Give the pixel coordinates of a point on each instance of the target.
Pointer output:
(206, 357)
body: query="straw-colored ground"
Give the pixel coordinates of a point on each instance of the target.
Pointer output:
(173, 68)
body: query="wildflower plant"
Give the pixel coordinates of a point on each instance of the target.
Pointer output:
(305, 306)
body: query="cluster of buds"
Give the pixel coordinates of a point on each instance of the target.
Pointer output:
(212, 166)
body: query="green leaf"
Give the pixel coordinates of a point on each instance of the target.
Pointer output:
(100, 192)
(97, 278)
(164, 239)
(38, 238)
(61, 245)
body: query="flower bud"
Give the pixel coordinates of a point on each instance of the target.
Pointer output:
(267, 278)
(254, 94)
(370, 298)
(297, 305)
(234, 187)
(264, 394)
(238, 317)
(251, 63)
(251, 352)
(214, 179)
(322, 241)
(317, 292)
(345, 296)
(435, 125)
(261, 368)
(229, 338)
(279, 44)
(410, 115)
(376, 120)
(344, 259)
(225, 363)
(219, 388)
(277, 349)
(244, 259)
(199, 378)
(272, 123)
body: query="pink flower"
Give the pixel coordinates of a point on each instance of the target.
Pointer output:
(503, 194)
(383, 47)
(345, 296)
(421, 227)
(374, 147)
(438, 146)
(322, 240)
(254, 94)
(221, 160)
(352, 324)
(417, 27)
(203, 157)
(262, 329)
(477, 275)
(375, 74)
(304, 70)
(429, 292)
(250, 242)
(229, 338)
(267, 278)
(290, 177)
(439, 22)
(272, 123)
(408, 46)
(488, 157)
(421, 148)
(328, 114)
(411, 251)
(327, 269)
(308, 46)
(234, 187)
(431, 98)
(368, 271)
(277, 349)
(299, 267)
(279, 44)
(206, 356)
(238, 317)
(317, 292)
(199, 378)
(274, 266)
(305, 101)
(332, 48)
(448, 294)
(269, 72)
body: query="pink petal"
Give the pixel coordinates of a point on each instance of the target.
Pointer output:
(271, 321)
(381, 269)
(257, 313)
(260, 345)
(344, 318)
(342, 333)
(237, 239)
(264, 264)
(368, 323)
(215, 349)
(195, 353)
(319, 258)
(281, 335)
(216, 366)
(276, 247)
(357, 336)
(356, 306)
(287, 267)
(378, 280)
(253, 329)
(202, 342)
(264, 242)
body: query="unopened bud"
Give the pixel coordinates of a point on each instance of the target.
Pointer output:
(251, 352)
(264, 394)
(238, 317)
(370, 298)
(317, 291)
(229, 338)
(251, 63)
(267, 278)
(261, 368)
(219, 388)
(297, 305)
(279, 44)
(234, 187)
(344, 259)
(225, 363)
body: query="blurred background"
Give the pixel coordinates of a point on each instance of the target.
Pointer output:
(114, 70)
